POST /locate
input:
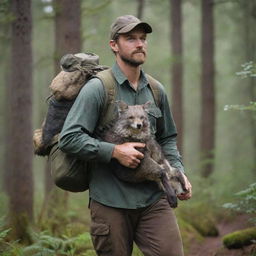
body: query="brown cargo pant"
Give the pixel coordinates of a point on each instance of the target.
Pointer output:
(154, 229)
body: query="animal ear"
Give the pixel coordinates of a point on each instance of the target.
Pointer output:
(147, 105)
(121, 106)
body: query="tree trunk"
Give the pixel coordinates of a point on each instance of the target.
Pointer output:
(5, 52)
(20, 122)
(67, 29)
(67, 40)
(177, 67)
(141, 5)
(207, 128)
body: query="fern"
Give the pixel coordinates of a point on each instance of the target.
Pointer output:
(3, 234)
(47, 245)
(248, 70)
(246, 202)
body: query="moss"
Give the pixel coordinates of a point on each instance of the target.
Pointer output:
(189, 234)
(90, 253)
(205, 226)
(200, 217)
(240, 238)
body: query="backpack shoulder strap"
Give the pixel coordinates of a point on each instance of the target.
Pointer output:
(155, 88)
(109, 83)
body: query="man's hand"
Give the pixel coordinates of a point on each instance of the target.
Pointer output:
(187, 195)
(127, 154)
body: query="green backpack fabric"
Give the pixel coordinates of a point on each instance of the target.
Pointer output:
(70, 173)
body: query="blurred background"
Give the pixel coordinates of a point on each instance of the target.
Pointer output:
(203, 52)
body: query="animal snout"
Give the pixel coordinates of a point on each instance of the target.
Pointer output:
(139, 126)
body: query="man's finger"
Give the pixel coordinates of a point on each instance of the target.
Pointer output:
(185, 196)
(140, 155)
(136, 160)
(138, 144)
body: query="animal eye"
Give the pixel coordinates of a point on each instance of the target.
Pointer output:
(142, 117)
(130, 117)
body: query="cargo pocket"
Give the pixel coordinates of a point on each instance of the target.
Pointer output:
(100, 237)
(153, 114)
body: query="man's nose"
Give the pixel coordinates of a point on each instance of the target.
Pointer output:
(139, 43)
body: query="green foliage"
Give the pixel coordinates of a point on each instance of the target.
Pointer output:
(250, 107)
(246, 202)
(200, 217)
(188, 233)
(232, 164)
(240, 238)
(248, 70)
(46, 244)
(8, 248)
(5, 15)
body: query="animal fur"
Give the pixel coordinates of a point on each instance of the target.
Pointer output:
(132, 125)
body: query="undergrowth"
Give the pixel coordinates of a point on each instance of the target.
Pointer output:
(245, 202)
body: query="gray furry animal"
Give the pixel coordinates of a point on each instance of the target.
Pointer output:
(132, 125)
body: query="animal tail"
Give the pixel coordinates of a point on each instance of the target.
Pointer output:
(170, 193)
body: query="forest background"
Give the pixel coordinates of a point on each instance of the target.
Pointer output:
(196, 50)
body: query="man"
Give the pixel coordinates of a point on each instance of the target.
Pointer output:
(123, 212)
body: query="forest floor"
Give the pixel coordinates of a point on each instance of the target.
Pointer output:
(212, 246)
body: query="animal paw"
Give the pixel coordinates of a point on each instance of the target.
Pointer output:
(172, 200)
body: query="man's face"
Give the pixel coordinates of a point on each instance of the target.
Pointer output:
(131, 48)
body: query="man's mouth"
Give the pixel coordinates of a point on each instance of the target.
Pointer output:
(139, 52)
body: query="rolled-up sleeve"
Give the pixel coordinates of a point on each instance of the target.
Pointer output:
(77, 133)
(166, 135)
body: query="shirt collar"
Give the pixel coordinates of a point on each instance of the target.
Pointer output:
(121, 78)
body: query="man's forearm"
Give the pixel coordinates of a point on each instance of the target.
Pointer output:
(86, 147)
(172, 154)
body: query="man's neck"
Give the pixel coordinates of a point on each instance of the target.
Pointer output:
(132, 73)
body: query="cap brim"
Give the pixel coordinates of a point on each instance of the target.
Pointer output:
(131, 26)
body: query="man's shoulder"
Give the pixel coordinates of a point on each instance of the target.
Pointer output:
(92, 87)
(154, 82)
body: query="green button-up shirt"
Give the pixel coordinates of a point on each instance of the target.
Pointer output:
(78, 137)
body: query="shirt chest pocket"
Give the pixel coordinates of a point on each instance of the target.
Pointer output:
(154, 113)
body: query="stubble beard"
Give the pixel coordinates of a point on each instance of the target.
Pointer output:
(132, 61)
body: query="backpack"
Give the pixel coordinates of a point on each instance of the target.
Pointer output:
(68, 172)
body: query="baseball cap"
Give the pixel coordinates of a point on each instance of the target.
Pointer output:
(126, 23)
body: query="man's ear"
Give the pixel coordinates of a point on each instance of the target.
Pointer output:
(113, 45)
(121, 106)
